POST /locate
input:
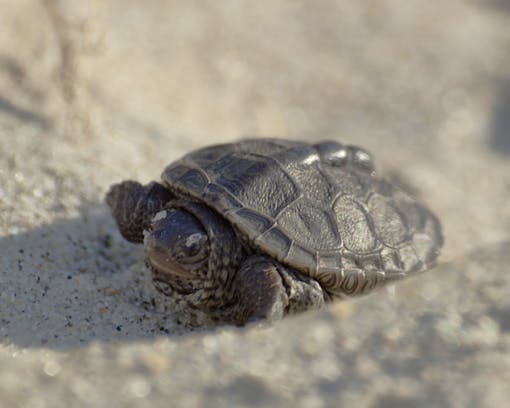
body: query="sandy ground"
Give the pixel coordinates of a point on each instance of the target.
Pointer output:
(99, 91)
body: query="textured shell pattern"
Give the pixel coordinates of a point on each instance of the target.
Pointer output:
(336, 223)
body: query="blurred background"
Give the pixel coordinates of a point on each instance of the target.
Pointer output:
(98, 91)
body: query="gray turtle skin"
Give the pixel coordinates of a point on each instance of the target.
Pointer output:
(266, 227)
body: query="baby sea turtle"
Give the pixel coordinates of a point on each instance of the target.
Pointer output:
(265, 227)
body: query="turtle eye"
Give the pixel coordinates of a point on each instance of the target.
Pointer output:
(193, 248)
(193, 243)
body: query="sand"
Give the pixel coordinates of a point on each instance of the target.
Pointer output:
(95, 92)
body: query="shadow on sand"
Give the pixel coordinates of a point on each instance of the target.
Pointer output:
(74, 281)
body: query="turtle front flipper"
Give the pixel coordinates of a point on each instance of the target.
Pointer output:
(264, 289)
(133, 206)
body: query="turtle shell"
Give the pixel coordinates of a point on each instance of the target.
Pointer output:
(316, 208)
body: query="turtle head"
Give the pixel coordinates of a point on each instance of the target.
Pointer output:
(191, 248)
(177, 245)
